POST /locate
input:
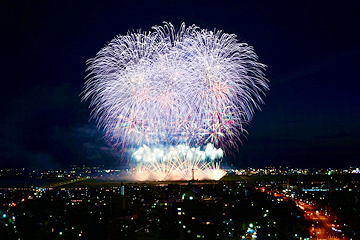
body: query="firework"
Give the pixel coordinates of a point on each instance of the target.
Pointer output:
(180, 162)
(173, 88)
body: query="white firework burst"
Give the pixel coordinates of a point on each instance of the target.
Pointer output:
(168, 87)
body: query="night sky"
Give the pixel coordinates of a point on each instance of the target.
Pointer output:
(312, 50)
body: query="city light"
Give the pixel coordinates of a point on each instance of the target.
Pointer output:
(99, 198)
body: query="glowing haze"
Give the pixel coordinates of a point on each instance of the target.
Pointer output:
(177, 98)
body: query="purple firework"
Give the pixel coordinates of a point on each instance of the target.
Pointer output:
(168, 87)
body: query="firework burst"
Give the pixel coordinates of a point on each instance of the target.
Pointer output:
(166, 87)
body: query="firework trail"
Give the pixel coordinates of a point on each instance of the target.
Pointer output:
(173, 88)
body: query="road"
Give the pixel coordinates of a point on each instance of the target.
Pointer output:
(323, 226)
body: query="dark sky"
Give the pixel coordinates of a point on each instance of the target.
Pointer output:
(312, 49)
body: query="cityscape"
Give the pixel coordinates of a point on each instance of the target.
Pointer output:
(177, 120)
(96, 203)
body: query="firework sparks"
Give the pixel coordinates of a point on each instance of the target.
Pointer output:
(184, 88)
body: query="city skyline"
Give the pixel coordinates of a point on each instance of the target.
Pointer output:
(91, 203)
(311, 114)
